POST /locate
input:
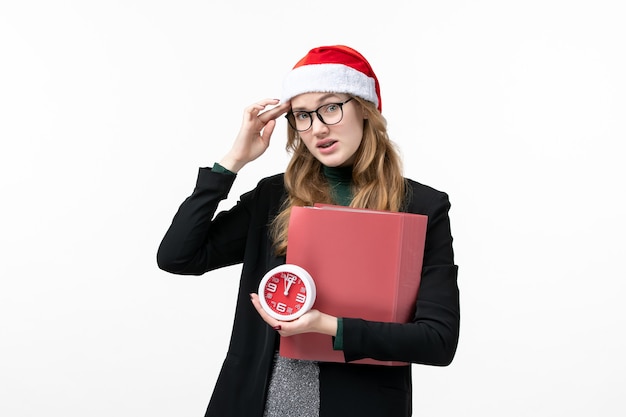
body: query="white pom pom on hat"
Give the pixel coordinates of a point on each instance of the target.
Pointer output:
(333, 69)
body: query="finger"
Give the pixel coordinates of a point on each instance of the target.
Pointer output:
(266, 317)
(255, 108)
(267, 131)
(275, 112)
(268, 101)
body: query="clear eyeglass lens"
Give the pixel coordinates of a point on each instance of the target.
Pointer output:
(302, 120)
(331, 113)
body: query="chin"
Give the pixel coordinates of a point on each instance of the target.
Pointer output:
(335, 162)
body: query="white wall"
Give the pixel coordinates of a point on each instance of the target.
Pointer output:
(516, 109)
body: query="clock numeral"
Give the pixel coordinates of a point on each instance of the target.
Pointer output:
(301, 298)
(272, 287)
(281, 307)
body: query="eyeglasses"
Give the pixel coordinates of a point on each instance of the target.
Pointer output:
(329, 114)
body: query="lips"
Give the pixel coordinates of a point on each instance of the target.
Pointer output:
(327, 143)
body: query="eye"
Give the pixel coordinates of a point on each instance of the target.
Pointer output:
(330, 108)
(301, 115)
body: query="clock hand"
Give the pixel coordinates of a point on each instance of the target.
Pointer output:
(289, 279)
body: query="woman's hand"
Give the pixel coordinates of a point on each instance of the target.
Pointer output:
(254, 135)
(311, 321)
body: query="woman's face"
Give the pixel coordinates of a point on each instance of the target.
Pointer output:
(333, 145)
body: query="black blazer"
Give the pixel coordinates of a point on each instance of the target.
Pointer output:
(196, 242)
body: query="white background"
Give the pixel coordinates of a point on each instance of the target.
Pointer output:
(107, 109)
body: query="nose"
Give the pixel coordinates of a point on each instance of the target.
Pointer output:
(318, 126)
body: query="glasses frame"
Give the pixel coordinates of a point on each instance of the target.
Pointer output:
(319, 116)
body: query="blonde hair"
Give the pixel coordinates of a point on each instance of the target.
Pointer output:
(377, 180)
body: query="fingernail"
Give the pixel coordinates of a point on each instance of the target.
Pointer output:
(277, 327)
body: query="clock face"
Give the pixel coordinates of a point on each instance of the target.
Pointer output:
(287, 292)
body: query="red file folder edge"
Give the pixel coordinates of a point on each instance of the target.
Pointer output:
(365, 263)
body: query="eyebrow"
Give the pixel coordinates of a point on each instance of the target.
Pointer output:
(320, 100)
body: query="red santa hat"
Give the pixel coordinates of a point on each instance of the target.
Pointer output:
(333, 69)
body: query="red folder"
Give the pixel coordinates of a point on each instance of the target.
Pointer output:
(365, 263)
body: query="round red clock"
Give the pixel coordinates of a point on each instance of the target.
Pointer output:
(287, 292)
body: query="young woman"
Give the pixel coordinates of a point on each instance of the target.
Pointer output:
(341, 154)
